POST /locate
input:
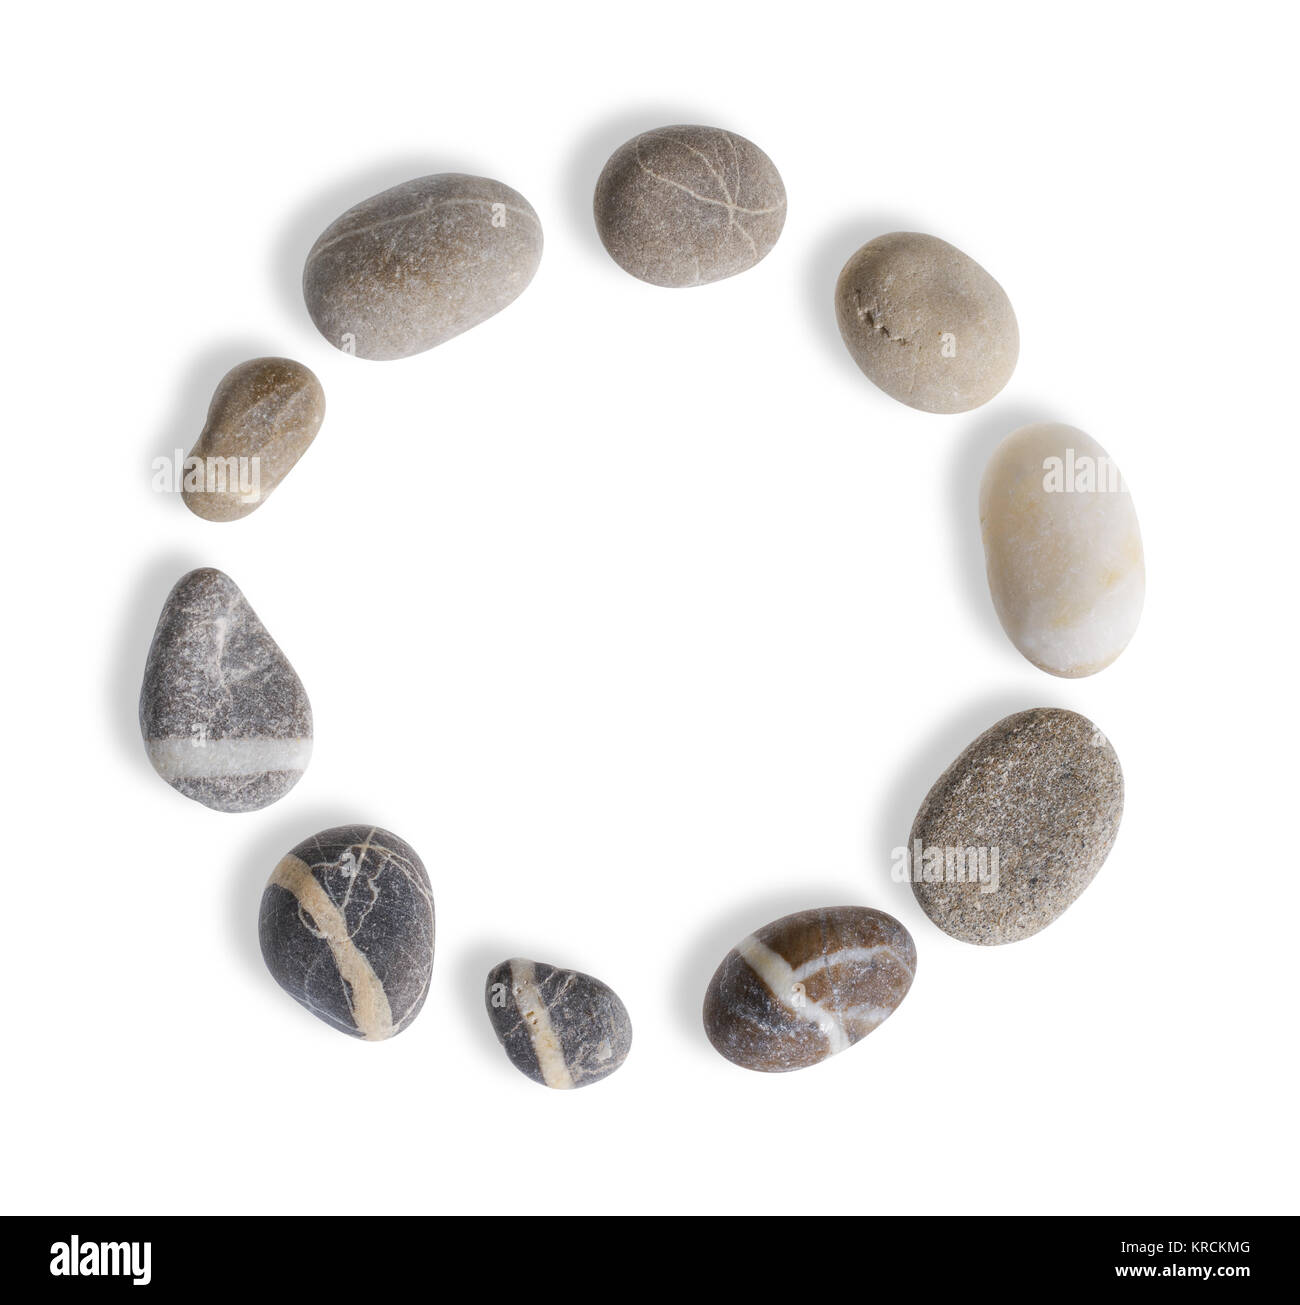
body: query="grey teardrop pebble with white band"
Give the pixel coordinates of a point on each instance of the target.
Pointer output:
(224, 715)
(561, 1028)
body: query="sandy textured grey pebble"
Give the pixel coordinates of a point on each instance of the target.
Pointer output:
(561, 1028)
(807, 986)
(347, 929)
(687, 205)
(926, 323)
(1017, 827)
(262, 419)
(414, 266)
(224, 716)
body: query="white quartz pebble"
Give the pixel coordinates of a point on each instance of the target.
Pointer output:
(1062, 549)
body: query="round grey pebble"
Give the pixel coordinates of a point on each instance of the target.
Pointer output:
(347, 929)
(413, 266)
(224, 716)
(926, 323)
(686, 205)
(561, 1028)
(1017, 827)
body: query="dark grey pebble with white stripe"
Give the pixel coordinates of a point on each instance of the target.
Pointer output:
(347, 929)
(561, 1028)
(224, 715)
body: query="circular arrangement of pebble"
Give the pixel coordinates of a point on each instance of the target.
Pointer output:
(347, 917)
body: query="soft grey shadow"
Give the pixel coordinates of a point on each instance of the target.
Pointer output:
(920, 761)
(702, 956)
(193, 392)
(298, 232)
(824, 264)
(984, 431)
(278, 829)
(469, 980)
(139, 617)
(590, 154)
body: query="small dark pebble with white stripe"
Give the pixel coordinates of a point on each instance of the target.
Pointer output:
(561, 1028)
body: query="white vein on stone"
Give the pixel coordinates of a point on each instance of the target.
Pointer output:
(777, 973)
(541, 1032)
(366, 997)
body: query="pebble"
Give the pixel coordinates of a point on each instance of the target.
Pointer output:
(926, 323)
(807, 986)
(224, 716)
(561, 1028)
(347, 929)
(1017, 827)
(1062, 549)
(413, 266)
(264, 415)
(687, 205)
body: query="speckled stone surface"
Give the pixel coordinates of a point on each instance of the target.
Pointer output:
(224, 716)
(414, 266)
(347, 929)
(561, 1028)
(807, 986)
(1062, 549)
(926, 323)
(264, 415)
(1043, 790)
(686, 205)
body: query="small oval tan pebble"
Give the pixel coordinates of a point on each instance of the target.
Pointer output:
(1017, 827)
(1062, 549)
(807, 986)
(926, 322)
(262, 419)
(686, 205)
(410, 268)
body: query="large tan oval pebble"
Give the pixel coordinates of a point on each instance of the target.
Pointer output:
(410, 268)
(926, 322)
(1062, 549)
(262, 419)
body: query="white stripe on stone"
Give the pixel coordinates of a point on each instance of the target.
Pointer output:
(541, 1032)
(366, 996)
(849, 956)
(776, 972)
(217, 758)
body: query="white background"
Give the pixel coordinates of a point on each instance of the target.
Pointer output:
(640, 613)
